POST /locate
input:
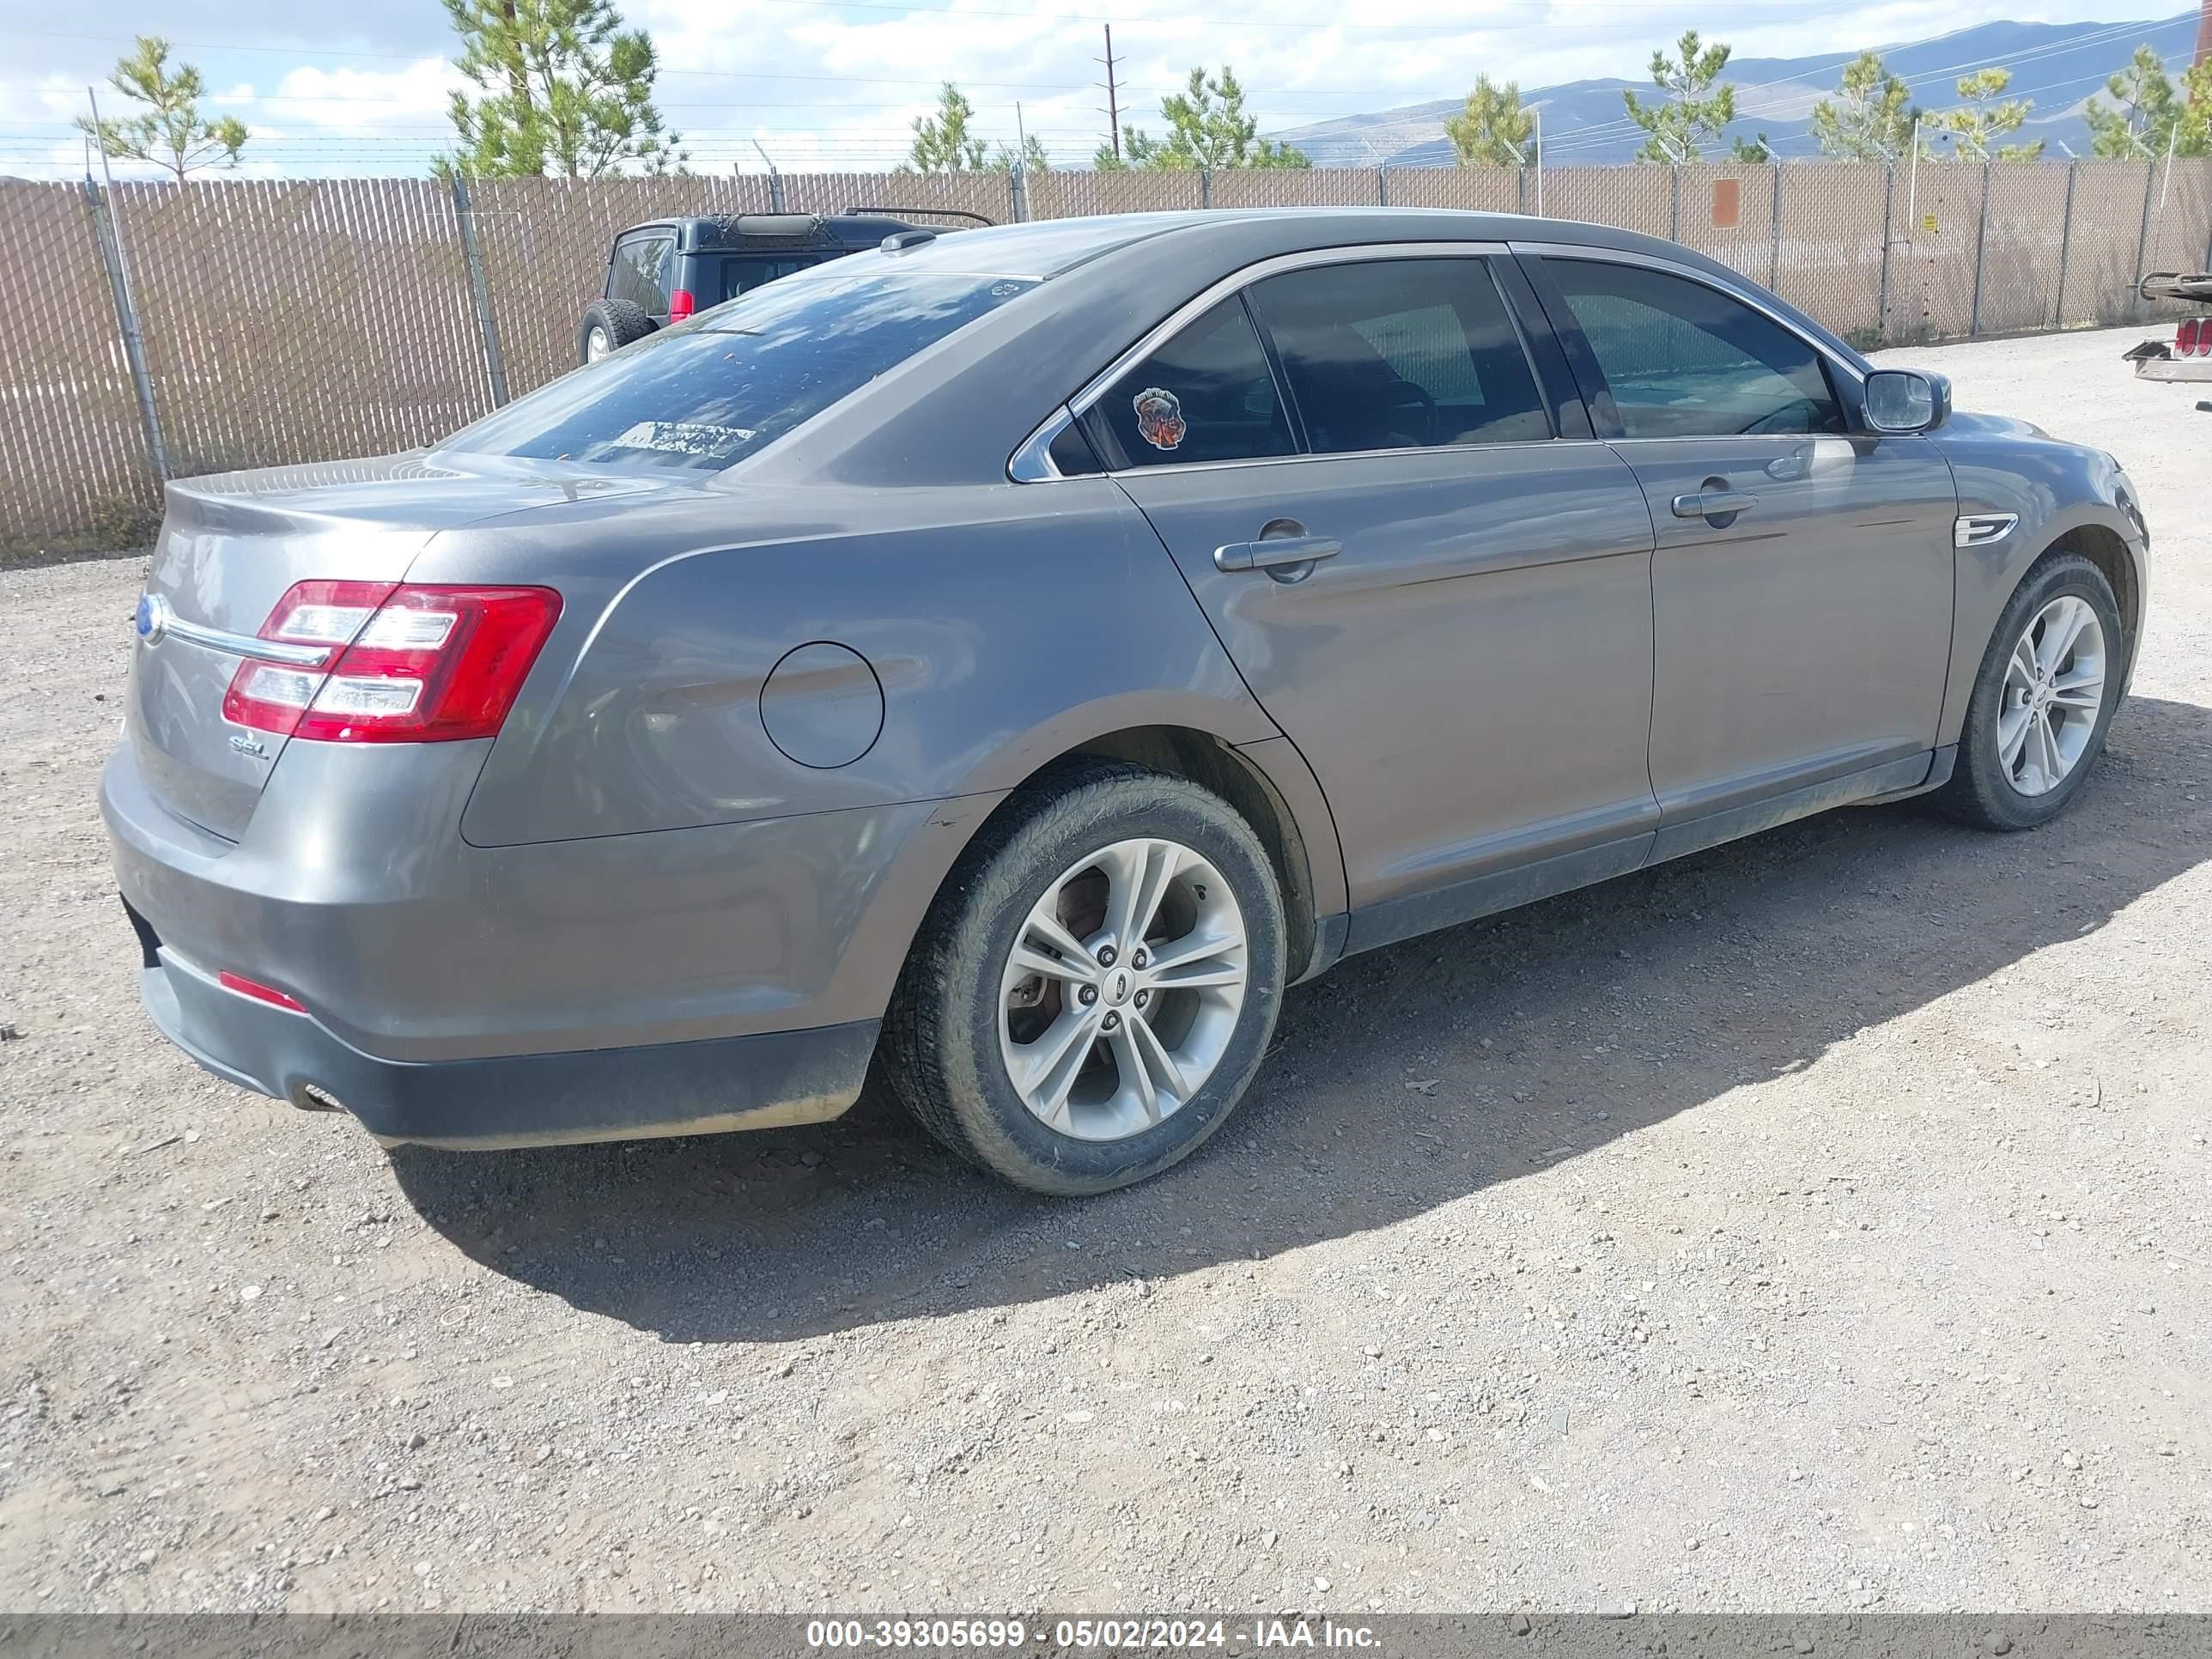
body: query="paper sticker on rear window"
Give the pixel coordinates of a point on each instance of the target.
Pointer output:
(685, 438)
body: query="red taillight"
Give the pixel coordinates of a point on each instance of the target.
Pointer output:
(259, 992)
(2193, 338)
(419, 663)
(681, 305)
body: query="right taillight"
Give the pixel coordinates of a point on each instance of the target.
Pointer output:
(2193, 338)
(418, 664)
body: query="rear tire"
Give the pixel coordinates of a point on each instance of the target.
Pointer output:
(2030, 739)
(1162, 1037)
(609, 326)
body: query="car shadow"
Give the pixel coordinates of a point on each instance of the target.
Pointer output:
(1404, 1080)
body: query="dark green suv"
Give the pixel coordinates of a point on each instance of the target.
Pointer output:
(662, 272)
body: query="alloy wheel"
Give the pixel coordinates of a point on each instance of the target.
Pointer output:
(1122, 990)
(2054, 689)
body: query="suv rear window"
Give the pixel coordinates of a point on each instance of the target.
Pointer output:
(709, 393)
(726, 278)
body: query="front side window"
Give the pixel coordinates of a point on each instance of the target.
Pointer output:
(1206, 395)
(1401, 354)
(1683, 360)
(709, 393)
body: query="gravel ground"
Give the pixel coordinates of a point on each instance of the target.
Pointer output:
(1821, 1223)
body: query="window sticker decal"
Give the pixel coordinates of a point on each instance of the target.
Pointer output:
(1159, 418)
(683, 438)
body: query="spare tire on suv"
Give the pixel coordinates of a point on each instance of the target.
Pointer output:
(609, 326)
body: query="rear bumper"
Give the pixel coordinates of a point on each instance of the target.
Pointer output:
(2196, 371)
(687, 982)
(765, 1081)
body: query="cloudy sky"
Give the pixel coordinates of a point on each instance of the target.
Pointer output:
(834, 83)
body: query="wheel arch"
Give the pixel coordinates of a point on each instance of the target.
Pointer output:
(2107, 549)
(1987, 577)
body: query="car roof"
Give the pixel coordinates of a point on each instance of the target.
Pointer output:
(735, 233)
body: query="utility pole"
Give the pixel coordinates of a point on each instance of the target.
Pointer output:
(1114, 91)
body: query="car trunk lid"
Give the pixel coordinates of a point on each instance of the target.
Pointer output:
(230, 548)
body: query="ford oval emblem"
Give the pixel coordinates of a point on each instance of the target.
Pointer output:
(153, 617)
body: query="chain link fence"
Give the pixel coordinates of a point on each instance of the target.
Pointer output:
(311, 319)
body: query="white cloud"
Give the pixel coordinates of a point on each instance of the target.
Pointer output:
(823, 85)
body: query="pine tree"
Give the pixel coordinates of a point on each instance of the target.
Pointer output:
(942, 141)
(1976, 124)
(1694, 109)
(2149, 111)
(170, 132)
(1207, 128)
(1494, 131)
(565, 89)
(1874, 118)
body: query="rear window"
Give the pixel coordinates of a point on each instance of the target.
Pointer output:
(728, 278)
(709, 393)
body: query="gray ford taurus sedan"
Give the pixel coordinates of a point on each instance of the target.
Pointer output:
(1009, 658)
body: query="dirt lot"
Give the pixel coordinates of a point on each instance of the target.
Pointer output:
(1819, 1223)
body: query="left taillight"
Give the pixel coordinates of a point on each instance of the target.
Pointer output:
(413, 664)
(681, 305)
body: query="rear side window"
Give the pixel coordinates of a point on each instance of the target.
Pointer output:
(1401, 354)
(1206, 395)
(706, 393)
(742, 276)
(1683, 360)
(644, 267)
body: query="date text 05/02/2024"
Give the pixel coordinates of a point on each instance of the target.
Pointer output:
(1083, 1635)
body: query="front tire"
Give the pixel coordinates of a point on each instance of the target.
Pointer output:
(1094, 990)
(2048, 686)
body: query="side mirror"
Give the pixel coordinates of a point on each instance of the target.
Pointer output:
(1906, 400)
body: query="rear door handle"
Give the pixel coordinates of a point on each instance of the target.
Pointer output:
(1275, 550)
(1713, 504)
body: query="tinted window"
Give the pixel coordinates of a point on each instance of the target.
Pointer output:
(1401, 354)
(1687, 360)
(737, 276)
(1206, 395)
(640, 272)
(706, 393)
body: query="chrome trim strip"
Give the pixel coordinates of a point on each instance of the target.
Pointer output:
(1982, 529)
(1674, 268)
(1032, 463)
(245, 644)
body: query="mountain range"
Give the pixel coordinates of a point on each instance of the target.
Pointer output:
(2056, 66)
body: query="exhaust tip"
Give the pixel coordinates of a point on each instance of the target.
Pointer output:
(313, 1097)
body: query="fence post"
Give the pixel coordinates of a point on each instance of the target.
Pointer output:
(2065, 246)
(1774, 253)
(1674, 203)
(108, 231)
(1382, 187)
(479, 291)
(2143, 241)
(1519, 189)
(1205, 187)
(1888, 207)
(1018, 189)
(1981, 252)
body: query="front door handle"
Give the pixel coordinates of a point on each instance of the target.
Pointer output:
(1711, 503)
(1271, 552)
